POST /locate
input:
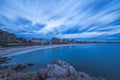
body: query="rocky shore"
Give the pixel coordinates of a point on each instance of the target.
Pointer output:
(58, 70)
(3, 60)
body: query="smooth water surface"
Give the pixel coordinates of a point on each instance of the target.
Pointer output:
(100, 60)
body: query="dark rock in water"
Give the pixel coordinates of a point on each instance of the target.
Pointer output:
(3, 67)
(30, 64)
(21, 66)
(18, 67)
(3, 60)
(58, 70)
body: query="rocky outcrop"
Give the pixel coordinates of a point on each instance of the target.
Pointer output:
(61, 70)
(58, 70)
(13, 75)
(17, 67)
(3, 60)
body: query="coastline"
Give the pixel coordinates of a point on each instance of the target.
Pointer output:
(20, 50)
(57, 70)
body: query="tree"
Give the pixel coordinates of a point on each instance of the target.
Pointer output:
(1, 32)
(3, 44)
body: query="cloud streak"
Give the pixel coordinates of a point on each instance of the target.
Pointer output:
(63, 18)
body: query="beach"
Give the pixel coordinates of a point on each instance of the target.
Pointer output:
(18, 50)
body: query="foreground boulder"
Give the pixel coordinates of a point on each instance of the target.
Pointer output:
(58, 70)
(61, 70)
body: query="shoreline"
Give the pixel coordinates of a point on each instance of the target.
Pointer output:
(57, 70)
(6, 52)
(20, 50)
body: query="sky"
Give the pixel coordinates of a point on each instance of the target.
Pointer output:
(75, 19)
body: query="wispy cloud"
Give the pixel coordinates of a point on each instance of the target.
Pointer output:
(63, 18)
(90, 34)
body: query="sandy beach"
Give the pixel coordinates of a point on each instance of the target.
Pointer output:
(17, 50)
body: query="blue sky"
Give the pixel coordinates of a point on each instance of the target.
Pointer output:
(84, 19)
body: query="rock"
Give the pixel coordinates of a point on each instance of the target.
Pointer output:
(7, 75)
(83, 75)
(27, 76)
(18, 67)
(3, 60)
(3, 67)
(58, 70)
(13, 75)
(100, 78)
(30, 64)
(59, 79)
(65, 65)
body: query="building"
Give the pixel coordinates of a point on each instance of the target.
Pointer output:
(39, 41)
(59, 41)
(36, 41)
(64, 41)
(73, 41)
(55, 41)
(44, 41)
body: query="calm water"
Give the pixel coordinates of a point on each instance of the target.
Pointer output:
(94, 59)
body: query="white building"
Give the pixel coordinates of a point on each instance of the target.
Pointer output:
(39, 41)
